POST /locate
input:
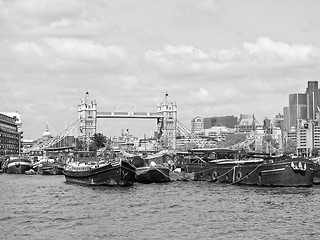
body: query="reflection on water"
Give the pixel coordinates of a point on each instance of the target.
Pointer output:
(45, 207)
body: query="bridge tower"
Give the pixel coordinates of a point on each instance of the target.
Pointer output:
(87, 113)
(167, 126)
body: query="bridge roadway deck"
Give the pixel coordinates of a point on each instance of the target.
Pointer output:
(129, 115)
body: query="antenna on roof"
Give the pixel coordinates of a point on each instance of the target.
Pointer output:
(166, 97)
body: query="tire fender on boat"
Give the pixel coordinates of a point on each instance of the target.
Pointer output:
(294, 167)
(305, 167)
(239, 175)
(214, 175)
(302, 166)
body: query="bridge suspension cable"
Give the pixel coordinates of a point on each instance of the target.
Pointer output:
(184, 131)
(45, 145)
(61, 136)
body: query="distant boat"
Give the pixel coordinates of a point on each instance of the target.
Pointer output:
(253, 169)
(3, 162)
(47, 165)
(48, 168)
(85, 169)
(18, 165)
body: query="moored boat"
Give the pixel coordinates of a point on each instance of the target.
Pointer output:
(3, 163)
(18, 165)
(109, 172)
(153, 174)
(256, 169)
(48, 168)
(153, 168)
(316, 170)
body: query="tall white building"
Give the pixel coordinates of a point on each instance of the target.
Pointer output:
(197, 125)
(308, 137)
(87, 112)
(167, 128)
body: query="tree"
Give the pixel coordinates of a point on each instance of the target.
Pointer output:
(79, 144)
(290, 146)
(233, 139)
(271, 142)
(97, 141)
(315, 152)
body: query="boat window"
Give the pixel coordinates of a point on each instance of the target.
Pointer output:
(212, 156)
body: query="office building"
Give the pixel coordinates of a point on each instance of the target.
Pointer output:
(278, 121)
(267, 127)
(297, 108)
(286, 119)
(227, 121)
(246, 123)
(9, 135)
(312, 93)
(304, 138)
(302, 106)
(308, 137)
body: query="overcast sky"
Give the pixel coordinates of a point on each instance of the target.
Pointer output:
(213, 57)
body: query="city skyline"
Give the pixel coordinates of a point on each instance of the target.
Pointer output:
(213, 58)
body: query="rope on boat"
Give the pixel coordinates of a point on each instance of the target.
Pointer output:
(246, 176)
(163, 173)
(182, 177)
(128, 169)
(204, 170)
(231, 169)
(209, 169)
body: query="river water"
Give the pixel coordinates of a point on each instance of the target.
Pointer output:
(46, 207)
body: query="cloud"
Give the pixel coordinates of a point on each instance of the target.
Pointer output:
(65, 55)
(83, 49)
(29, 48)
(30, 18)
(173, 55)
(200, 8)
(262, 54)
(201, 96)
(208, 6)
(266, 50)
(38, 10)
(225, 81)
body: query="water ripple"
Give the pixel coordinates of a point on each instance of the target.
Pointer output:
(45, 207)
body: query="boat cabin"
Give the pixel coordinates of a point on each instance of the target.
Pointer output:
(85, 156)
(199, 157)
(209, 154)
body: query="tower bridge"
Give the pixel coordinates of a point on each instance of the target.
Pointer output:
(166, 116)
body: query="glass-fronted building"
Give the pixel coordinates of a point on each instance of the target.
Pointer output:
(9, 136)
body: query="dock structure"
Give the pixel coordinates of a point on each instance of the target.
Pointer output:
(166, 117)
